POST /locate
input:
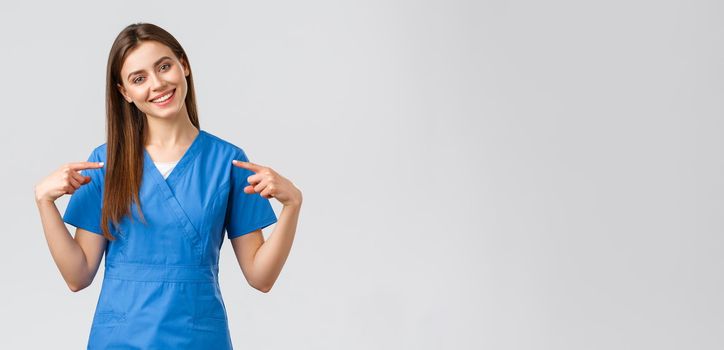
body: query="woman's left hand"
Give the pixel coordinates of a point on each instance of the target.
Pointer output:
(269, 184)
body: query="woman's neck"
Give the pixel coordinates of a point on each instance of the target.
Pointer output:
(172, 132)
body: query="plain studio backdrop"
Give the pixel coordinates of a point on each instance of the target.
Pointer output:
(476, 174)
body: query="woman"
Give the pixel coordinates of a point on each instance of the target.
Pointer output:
(157, 198)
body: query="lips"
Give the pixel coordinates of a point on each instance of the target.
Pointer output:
(153, 100)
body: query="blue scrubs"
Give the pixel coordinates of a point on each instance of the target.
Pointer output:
(160, 287)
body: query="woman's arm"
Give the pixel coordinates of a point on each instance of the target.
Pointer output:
(77, 258)
(260, 261)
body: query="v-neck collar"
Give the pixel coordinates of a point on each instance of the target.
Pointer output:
(182, 164)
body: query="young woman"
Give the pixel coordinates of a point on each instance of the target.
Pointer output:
(156, 198)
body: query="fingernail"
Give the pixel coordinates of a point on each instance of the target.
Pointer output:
(101, 163)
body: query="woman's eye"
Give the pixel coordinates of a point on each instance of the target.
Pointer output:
(136, 80)
(165, 64)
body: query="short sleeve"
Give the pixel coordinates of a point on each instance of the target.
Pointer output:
(245, 212)
(84, 208)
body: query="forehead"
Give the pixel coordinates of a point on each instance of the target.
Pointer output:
(144, 55)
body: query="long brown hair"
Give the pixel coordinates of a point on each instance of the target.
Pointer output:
(126, 125)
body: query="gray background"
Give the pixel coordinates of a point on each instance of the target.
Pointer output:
(480, 174)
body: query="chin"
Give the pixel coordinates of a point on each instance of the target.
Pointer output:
(165, 114)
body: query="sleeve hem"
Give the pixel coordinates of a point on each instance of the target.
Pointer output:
(261, 225)
(90, 228)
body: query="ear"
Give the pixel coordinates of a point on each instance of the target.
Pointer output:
(187, 71)
(122, 90)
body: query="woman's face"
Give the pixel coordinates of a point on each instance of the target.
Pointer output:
(149, 74)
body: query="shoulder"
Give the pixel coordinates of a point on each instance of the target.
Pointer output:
(217, 145)
(98, 154)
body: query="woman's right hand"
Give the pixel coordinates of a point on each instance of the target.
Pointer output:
(65, 180)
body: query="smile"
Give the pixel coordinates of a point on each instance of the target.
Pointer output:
(165, 99)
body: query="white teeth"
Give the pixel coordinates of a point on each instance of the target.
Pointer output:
(163, 98)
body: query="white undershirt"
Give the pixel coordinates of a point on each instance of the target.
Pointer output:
(165, 167)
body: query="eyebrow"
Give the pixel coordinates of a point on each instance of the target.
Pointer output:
(154, 64)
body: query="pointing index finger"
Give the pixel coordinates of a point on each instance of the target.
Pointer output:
(86, 165)
(247, 165)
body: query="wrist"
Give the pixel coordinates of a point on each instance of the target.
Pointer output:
(44, 201)
(295, 204)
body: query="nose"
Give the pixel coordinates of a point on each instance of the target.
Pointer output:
(157, 84)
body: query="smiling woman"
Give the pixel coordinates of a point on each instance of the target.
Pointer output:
(160, 288)
(152, 89)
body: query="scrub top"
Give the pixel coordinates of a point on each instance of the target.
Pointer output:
(160, 287)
